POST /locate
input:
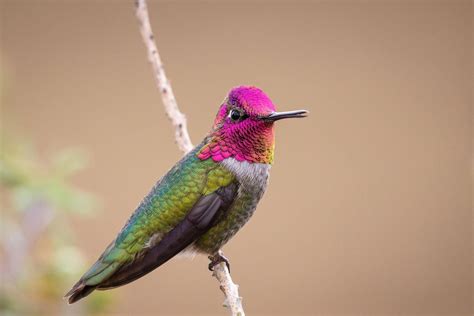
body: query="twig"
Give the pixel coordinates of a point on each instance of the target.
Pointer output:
(176, 117)
(220, 271)
(231, 290)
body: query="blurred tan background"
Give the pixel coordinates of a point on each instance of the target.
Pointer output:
(369, 205)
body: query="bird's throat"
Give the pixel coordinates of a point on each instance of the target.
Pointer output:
(243, 146)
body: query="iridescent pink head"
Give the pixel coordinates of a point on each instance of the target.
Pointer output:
(243, 128)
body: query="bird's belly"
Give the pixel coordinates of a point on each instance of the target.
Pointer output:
(238, 214)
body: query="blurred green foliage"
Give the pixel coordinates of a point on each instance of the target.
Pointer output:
(37, 262)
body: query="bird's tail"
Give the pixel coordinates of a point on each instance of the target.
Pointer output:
(101, 271)
(78, 291)
(114, 268)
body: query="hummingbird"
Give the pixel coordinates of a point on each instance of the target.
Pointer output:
(202, 202)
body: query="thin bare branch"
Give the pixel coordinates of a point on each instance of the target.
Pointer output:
(233, 300)
(176, 117)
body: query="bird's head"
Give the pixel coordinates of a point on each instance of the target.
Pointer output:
(243, 128)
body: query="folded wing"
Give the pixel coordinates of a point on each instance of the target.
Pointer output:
(129, 258)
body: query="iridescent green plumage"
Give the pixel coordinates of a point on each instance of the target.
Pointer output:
(170, 200)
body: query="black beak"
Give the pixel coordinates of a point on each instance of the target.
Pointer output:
(275, 116)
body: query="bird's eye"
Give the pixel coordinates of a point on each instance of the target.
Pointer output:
(234, 115)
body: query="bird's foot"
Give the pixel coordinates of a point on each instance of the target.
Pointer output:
(216, 259)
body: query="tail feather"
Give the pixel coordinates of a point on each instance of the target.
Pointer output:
(80, 290)
(91, 280)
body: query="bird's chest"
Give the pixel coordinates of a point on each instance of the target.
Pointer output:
(253, 179)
